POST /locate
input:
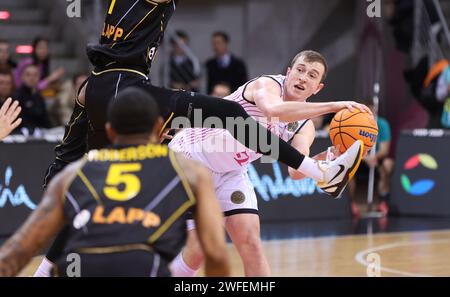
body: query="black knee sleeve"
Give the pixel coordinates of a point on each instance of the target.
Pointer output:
(253, 135)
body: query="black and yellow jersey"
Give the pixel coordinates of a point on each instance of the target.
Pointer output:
(132, 32)
(128, 199)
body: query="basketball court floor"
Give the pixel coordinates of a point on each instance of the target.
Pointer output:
(400, 247)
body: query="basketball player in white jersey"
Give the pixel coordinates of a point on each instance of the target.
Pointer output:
(278, 102)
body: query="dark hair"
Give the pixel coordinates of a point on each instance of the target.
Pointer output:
(46, 63)
(4, 41)
(223, 35)
(223, 83)
(312, 56)
(133, 111)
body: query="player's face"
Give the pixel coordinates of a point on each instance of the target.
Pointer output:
(303, 79)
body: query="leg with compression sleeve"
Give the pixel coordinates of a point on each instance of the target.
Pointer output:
(265, 142)
(261, 140)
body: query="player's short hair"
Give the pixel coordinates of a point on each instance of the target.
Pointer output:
(223, 35)
(133, 111)
(312, 56)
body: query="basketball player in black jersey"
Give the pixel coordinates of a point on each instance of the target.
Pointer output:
(125, 206)
(131, 35)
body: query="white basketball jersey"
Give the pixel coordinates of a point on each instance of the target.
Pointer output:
(218, 150)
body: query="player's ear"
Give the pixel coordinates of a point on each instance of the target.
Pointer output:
(319, 88)
(158, 126)
(288, 71)
(112, 135)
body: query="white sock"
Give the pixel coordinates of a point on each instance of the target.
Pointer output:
(179, 268)
(310, 168)
(44, 269)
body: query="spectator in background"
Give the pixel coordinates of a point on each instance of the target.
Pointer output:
(225, 67)
(182, 74)
(6, 64)
(61, 111)
(430, 85)
(34, 112)
(443, 96)
(6, 86)
(382, 163)
(221, 90)
(41, 58)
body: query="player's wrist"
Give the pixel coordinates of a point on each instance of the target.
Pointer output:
(334, 107)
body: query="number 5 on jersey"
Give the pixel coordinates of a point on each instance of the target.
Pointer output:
(122, 174)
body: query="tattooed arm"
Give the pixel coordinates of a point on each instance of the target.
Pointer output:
(40, 227)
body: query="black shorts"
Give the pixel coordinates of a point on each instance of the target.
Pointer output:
(102, 87)
(133, 263)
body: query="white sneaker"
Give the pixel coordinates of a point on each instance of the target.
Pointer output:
(339, 172)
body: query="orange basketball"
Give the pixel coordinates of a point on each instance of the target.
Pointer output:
(347, 127)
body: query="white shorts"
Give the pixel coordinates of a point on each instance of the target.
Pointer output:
(235, 193)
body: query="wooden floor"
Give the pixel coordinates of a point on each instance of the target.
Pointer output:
(400, 254)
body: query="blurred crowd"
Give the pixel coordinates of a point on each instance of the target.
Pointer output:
(47, 96)
(46, 99)
(225, 72)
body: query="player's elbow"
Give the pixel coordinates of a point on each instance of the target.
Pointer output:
(272, 111)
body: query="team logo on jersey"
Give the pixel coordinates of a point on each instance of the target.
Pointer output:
(242, 158)
(237, 197)
(122, 215)
(151, 53)
(292, 127)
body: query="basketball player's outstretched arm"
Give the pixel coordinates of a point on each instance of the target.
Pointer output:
(8, 117)
(208, 218)
(40, 227)
(266, 94)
